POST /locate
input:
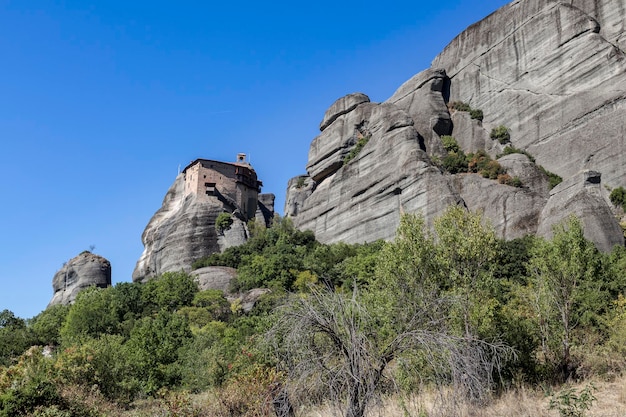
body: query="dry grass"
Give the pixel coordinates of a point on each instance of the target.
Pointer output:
(521, 402)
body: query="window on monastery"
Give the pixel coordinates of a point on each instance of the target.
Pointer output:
(210, 188)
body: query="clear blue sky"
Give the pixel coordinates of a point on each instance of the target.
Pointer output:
(102, 101)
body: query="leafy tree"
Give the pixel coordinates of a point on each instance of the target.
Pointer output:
(223, 222)
(127, 301)
(15, 337)
(27, 385)
(215, 302)
(155, 344)
(566, 276)
(618, 197)
(345, 341)
(465, 253)
(104, 363)
(207, 306)
(168, 292)
(46, 325)
(90, 316)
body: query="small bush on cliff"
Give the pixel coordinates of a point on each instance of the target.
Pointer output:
(360, 143)
(508, 180)
(459, 106)
(501, 134)
(553, 178)
(476, 114)
(450, 144)
(618, 197)
(456, 161)
(511, 150)
(223, 222)
(481, 163)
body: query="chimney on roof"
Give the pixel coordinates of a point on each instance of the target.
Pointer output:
(241, 158)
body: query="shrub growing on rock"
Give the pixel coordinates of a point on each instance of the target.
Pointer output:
(501, 134)
(223, 222)
(459, 106)
(618, 197)
(360, 143)
(476, 114)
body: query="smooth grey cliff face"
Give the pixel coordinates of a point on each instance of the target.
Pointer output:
(83, 271)
(553, 73)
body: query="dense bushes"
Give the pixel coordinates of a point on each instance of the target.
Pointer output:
(456, 161)
(135, 340)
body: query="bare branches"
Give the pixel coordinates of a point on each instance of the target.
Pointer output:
(328, 345)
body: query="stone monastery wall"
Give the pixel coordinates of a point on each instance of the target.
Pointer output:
(237, 182)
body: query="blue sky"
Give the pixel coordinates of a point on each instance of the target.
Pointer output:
(101, 102)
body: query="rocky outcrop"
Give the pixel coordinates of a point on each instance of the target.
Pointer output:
(531, 176)
(513, 212)
(84, 271)
(584, 197)
(183, 231)
(553, 73)
(361, 199)
(422, 99)
(215, 278)
(265, 210)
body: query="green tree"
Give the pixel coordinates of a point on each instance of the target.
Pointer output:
(223, 222)
(155, 343)
(618, 197)
(168, 292)
(566, 276)
(215, 302)
(105, 363)
(46, 326)
(90, 316)
(15, 337)
(27, 385)
(465, 253)
(345, 341)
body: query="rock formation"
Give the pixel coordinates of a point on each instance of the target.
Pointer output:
(83, 271)
(553, 73)
(183, 230)
(215, 278)
(582, 196)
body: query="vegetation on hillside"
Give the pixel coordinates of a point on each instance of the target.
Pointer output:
(456, 161)
(452, 309)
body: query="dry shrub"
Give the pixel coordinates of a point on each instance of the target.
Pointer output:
(247, 395)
